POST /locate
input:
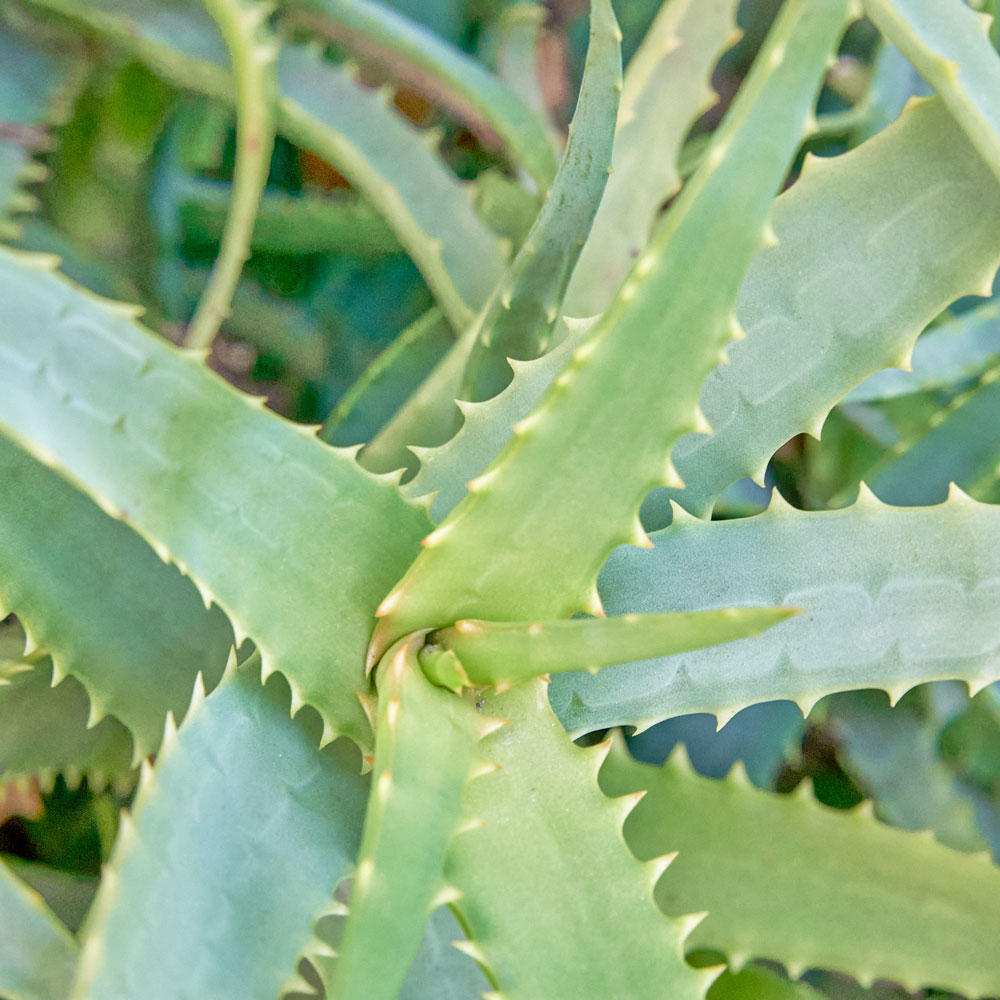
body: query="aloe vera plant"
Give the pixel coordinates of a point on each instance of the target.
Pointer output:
(340, 702)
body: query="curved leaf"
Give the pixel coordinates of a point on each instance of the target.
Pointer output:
(873, 245)
(238, 841)
(950, 45)
(444, 74)
(521, 314)
(891, 598)
(667, 87)
(37, 953)
(222, 487)
(325, 110)
(818, 887)
(138, 634)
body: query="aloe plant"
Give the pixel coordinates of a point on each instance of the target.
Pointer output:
(346, 699)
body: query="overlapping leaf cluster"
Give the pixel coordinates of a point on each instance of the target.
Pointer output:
(336, 671)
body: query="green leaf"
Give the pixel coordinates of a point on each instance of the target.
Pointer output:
(326, 111)
(87, 589)
(818, 887)
(956, 350)
(631, 389)
(759, 984)
(519, 317)
(504, 652)
(420, 60)
(45, 730)
(893, 754)
(445, 471)
(389, 380)
(68, 894)
(220, 486)
(950, 45)
(527, 876)
(238, 841)
(425, 751)
(891, 598)
(667, 87)
(961, 447)
(37, 953)
(252, 56)
(873, 245)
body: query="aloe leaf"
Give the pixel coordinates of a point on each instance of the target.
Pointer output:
(503, 652)
(515, 902)
(420, 59)
(252, 57)
(289, 224)
(325, 110)
(440, 971)
(962, 447)
(389, 380)
(950, 45)
(425, 751)
(759, 984)
(520, 29)
(524, 311)
(34, 85)
(37, 952)
(445, 471)
(245, 829)
(197, 469)
(873, 245)
(519, 317)
(944, 356)
(45, 730)
(631, 389)
(818, 887)
(667, 86)
(891, 598)
(893, 754)
(139, 633)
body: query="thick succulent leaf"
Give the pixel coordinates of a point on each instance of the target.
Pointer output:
(67, 894)
(503, 652)
(138, 634)
(891, 598)
(631, 388)
(818, 887)
(759, 984)
(524, 313)
(519, 317)
(873, 245)
(252, 56)
(389, 380)
(893, 754)
(224, 488)
(237, 843)
(440, 971)
(37, 952)
(962, 447)
(45, 730)
(444, 74)
(667, 87)
(944, 356)
(527, 876)
(33, 84)
(950, 45)
(425, 751)
(445, 471)
(325, 110)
